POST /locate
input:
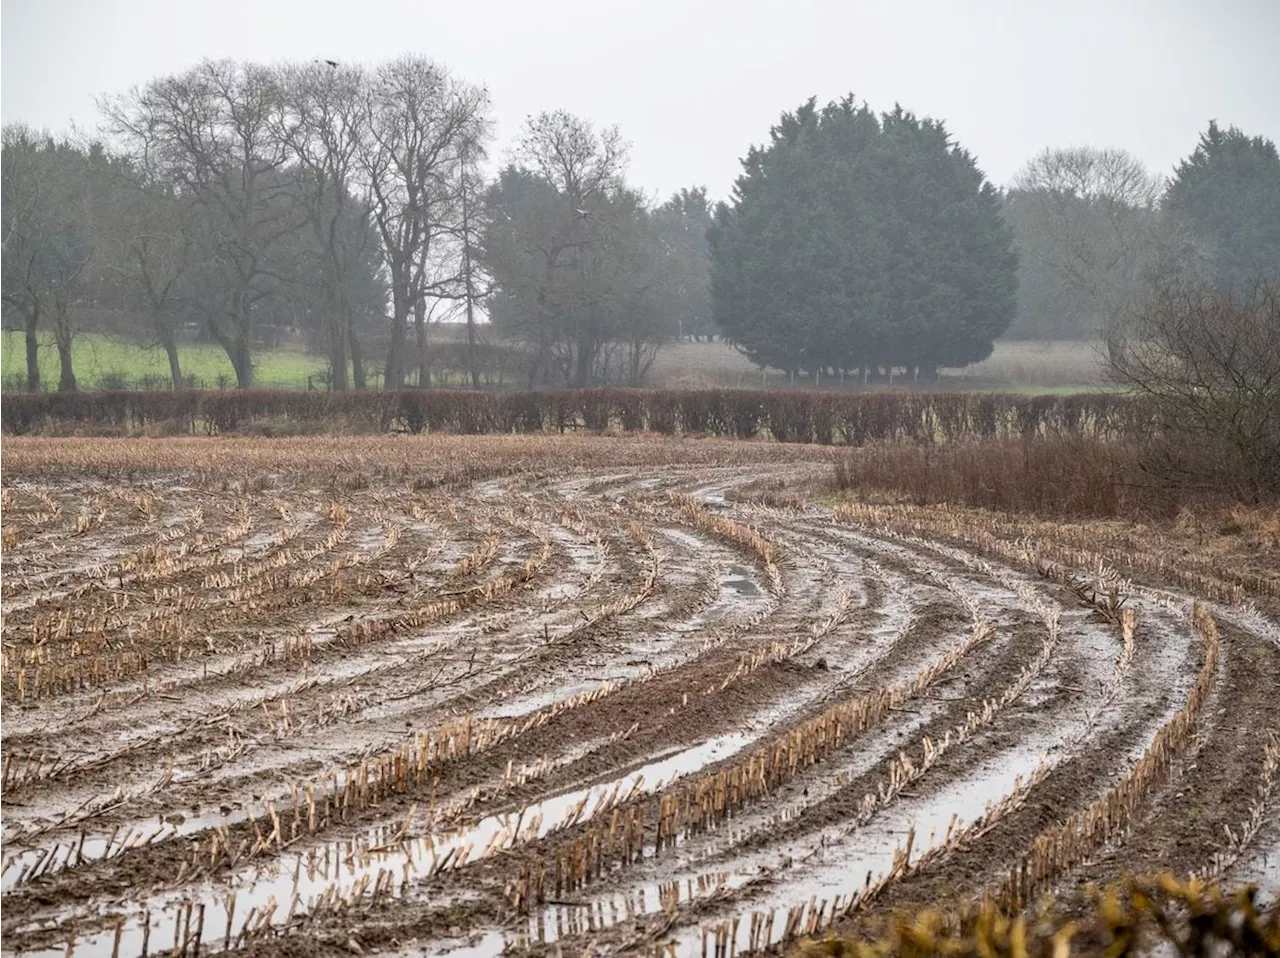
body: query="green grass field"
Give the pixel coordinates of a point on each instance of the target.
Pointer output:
(99, 357)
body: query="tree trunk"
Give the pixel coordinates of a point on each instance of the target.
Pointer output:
(420, 328)
(31, 324)
(66, 375)
(336, 324)
(539, 361)
(586, 353)
(62, 339)
(164, 333)
(472, 365)
(236, 345)
(393, 377)
(242, 363)
(337, 351)
(633, 366)
(357, 357)
(470, 287)
(175, 370)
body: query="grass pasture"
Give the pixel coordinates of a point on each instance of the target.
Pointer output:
(97, 359)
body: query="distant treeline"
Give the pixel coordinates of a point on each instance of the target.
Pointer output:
(350, 210)
(787, 416)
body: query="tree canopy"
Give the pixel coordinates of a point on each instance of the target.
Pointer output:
(856, 241)
(1088, 232)
(583, 271)
(1227, 194)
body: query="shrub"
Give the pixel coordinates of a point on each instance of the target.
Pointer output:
(1072, 476)
(1131, 918)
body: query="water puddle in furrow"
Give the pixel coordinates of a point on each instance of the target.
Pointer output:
(138, 834)
(739, 580)
(276, 890)
(49, 857)
(687, 881)
(835, 870)
(828, 872)
(824, 867)
(405, 651)
(145, 833)
(1261, 867)
(398, 654)
(831, 869)
(650, 651)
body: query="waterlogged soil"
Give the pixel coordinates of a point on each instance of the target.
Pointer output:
(1216, 785)
(565, 651)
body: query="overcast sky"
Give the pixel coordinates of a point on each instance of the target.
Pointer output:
(692, 83)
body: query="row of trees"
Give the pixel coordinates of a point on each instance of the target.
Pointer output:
(352, 205)
(1095, 229)
(231, 200)
(866, 244)
(348, 204)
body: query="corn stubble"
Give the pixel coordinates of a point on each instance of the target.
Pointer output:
(383, 540)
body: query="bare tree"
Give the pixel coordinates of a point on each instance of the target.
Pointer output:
(584, 171)
(1210, 365)
(46, 243)
(470, 208)
(151, 242)
(24, 188)
(323, 123)
(213, 131)
(420, 121)
(1097, 213)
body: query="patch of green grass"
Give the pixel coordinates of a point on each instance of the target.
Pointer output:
(96, 357)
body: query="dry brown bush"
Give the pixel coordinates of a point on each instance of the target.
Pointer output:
(1208, 365)
(1073, 477)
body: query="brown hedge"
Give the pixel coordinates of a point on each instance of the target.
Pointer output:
(785, 415)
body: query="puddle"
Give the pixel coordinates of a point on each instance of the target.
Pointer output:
(830, 867)
(740, 581)
(294, 883)
(558, 922)
(89, 849)
(686, 882)
(834, 869)
(1262, 868)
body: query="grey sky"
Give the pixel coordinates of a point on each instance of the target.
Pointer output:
(691, 84)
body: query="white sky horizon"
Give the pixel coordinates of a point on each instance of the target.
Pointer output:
(692, 85)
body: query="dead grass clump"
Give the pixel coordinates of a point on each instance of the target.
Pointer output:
(1075, 477)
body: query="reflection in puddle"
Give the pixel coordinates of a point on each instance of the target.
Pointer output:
(740, 581)
(297, 884)
(556, 922)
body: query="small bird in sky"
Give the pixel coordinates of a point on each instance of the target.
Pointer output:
(582, 213)
(332, 63)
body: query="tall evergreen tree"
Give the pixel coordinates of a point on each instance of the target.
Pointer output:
(1227, 192)
(684, 220)
(861, 242)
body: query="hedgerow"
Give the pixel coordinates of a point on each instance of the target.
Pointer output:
(841, 418)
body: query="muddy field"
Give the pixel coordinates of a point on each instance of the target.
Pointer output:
(429, 696)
